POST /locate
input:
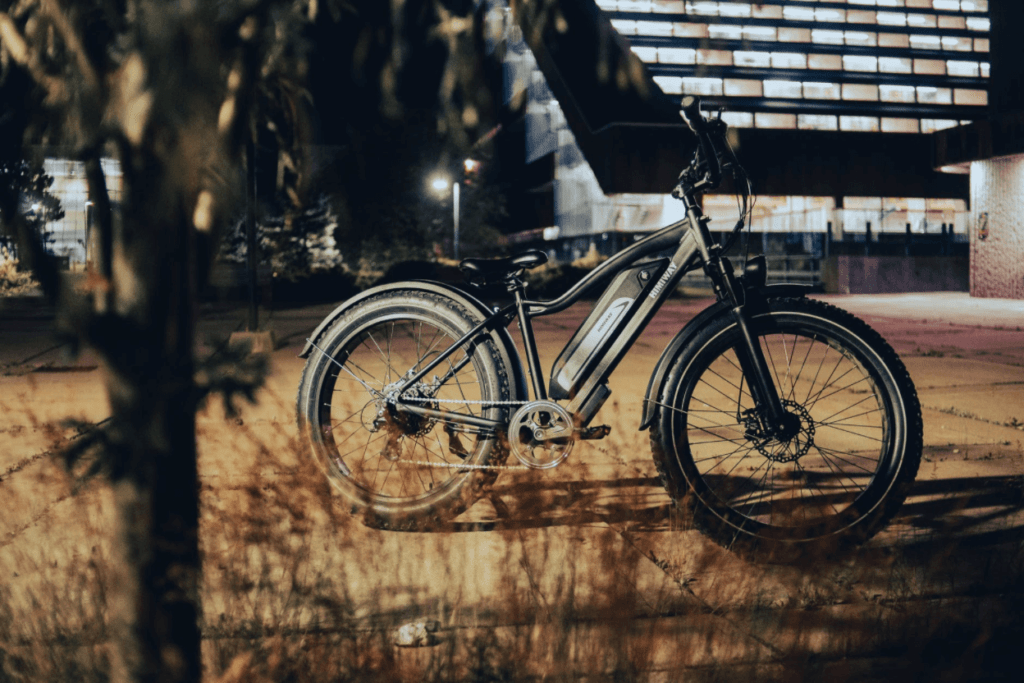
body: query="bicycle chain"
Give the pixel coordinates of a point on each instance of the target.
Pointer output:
(456, 466)
(424, 399)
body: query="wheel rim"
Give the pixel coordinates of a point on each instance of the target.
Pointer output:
(830, 472)
(385, 455)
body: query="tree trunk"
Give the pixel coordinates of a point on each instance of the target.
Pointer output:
(153, 402)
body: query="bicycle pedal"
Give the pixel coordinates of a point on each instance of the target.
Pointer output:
(597, 432)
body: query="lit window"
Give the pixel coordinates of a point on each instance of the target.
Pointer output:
(686, 30)
(896, 93)
(891, 3)
(789, 60)
(860, 63)
(825, 37)
(831, 15)
(858, 123)
(752, 59)
(738, 119)
(892, 19)
(893, 40)
(985, 68)
(894, 65)
(739, 87)
(706, 8)
(958, 44)
(670, 85)
(890, 125)
(798, 13)
(861, 38)
(981, 44)
(867, 92)
(728, 9)
(653, 28)
(794, 35)
(859, 16)
(725, 32)
(829, 62)
(787, 89)
(974, 5)
(932, 125)
(646, 54)
(634, 6)
(763, 120)
(702, 86)
(817, 122)
(714, 57)
(925, 42)
(946, 21)
(972, 98)
(607, 5)
(955, 68)
(922, 20)
(931, 67)
(626, 27)
(759, 33)
(669, 7)
(978, 24)
(821, 91)
(927, 94)
(766, 11)
(677, 55)
(946, 4)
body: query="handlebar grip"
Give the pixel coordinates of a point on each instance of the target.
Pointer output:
(691, 114)
(701, 128)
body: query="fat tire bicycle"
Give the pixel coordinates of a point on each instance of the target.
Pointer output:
(782, 423)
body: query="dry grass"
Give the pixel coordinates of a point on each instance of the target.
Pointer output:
(585, 572)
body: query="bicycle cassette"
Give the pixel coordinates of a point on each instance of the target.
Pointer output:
(541, 434)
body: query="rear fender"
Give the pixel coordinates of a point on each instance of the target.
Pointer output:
(755, 301)
(478, 309)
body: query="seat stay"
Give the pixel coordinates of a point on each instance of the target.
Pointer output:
(505, 314)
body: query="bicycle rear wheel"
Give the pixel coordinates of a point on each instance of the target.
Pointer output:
(851, 453)
(397, 469)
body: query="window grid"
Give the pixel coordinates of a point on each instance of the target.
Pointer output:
(851, 65)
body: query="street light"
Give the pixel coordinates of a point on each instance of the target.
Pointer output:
(440, 185)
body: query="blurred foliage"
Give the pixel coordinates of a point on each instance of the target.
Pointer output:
(38, 205)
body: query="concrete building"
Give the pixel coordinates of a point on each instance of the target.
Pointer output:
(842, 109)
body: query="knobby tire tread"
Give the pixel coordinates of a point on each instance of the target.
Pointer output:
(476, 483)
(757, 548)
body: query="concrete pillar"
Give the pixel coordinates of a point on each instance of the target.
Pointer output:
(997, 228)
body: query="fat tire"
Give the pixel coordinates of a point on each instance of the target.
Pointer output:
(873, 507)
(434, 507)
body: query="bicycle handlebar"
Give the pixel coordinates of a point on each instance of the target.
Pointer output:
(702, 129)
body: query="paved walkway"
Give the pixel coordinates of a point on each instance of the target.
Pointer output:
(583, 570)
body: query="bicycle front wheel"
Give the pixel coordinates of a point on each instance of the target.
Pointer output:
(400, 470)
(840, 471)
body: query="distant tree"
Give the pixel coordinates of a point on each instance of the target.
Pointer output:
(39, 206)
(295, 241)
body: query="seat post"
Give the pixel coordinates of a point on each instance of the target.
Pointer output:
(517, 287)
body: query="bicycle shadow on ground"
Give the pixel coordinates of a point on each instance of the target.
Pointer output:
(970, 512)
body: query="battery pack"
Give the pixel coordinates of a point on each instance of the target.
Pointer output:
(606, 321)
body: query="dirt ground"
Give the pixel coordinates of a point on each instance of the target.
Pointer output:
(581, 571)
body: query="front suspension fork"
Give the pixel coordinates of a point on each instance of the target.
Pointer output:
(769, 409)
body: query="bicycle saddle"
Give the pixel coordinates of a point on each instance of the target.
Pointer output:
(497, 269)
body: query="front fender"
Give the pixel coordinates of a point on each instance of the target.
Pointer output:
(500, 335)
(755, 298)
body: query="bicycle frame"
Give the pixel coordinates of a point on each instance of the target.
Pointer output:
(693, 247)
